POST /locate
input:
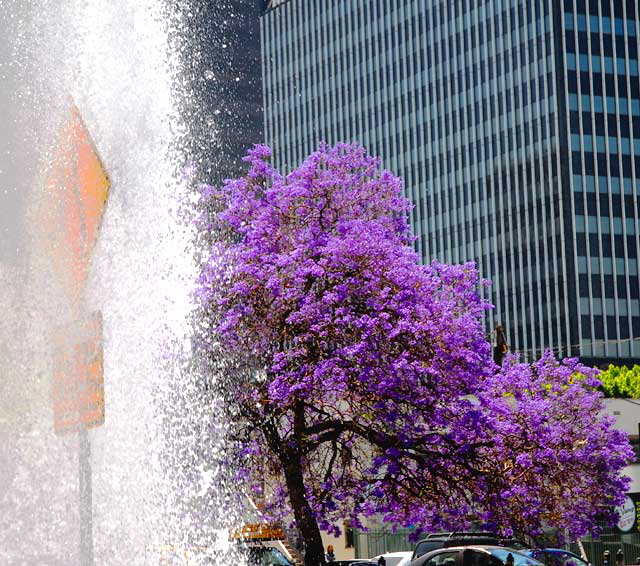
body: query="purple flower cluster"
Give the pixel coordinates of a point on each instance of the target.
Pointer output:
(360, 381)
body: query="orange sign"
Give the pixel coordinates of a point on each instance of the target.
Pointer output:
(69, 220)
(77, 187)
(258, 532)
(77, 387)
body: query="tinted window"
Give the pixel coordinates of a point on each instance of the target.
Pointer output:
(518, 559)
(427, 546)
(559, 559)
(443, 559)
(267, 557)
(476, 558)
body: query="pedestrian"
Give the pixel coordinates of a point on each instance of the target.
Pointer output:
(330, 556)
(605, 558)
(382, 561)
(619, 558)
(510, 560)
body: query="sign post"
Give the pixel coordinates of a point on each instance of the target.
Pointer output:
(70, 219)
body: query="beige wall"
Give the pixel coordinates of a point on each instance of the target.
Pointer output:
(627, 415)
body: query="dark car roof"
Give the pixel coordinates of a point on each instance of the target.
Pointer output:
(439, 540)
(433, 542)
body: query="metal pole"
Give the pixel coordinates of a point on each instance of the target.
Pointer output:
(86, 499)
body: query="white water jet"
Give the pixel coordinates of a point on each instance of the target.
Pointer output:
(115, 62)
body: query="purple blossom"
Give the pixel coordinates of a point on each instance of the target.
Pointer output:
(360, 382)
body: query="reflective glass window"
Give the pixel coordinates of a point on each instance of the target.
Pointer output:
(602, 184)
(614, 183)
(608, 65)
(597, 104)
(623, 106)
(577, 183)
(573, 102)
(613, 145)
(607, 262)
(631, 28)
(584, 63)
(582, 22)
(568, 21)
(625, 146)
(588, 143)
(575, 142)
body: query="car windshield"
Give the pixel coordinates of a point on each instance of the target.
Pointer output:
(267, 557)
(518, 558)
(557, 558)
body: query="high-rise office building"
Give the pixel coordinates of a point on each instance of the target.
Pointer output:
(219, 79)
(516, 128)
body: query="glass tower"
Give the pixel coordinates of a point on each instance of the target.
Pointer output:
(516, 128)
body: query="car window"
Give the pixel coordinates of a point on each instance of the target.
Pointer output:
(265, 556)
(477, 558)
(443, 559)
(556, 558)
(518, 559)
(273, 557)
(426, 546)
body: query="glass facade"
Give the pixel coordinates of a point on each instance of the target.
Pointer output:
(516, 128)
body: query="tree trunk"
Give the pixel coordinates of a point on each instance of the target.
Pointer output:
(305, 521)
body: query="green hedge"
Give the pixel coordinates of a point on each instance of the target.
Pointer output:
(620, 381)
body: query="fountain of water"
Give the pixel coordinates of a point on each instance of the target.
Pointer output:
(152, 484)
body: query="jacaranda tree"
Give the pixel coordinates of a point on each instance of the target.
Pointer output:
(359, 382)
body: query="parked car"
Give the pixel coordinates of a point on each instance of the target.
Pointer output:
(441, 540)
(395, 558)
(354, 562)
(556, 557)
(475, 555)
